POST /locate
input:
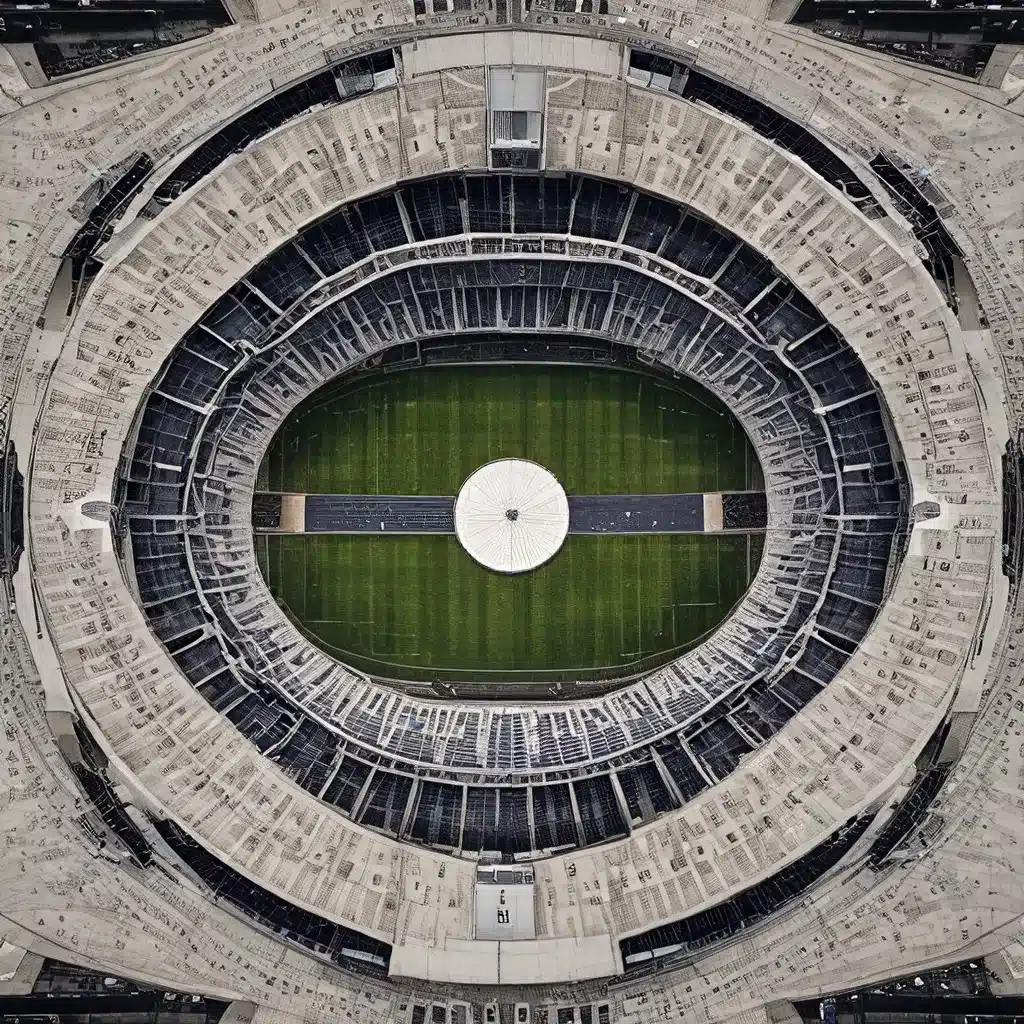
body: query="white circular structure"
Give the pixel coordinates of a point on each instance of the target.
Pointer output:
(511, 515)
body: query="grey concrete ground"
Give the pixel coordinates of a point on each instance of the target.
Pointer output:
(382, 513)
(636, 513)
(605, 513)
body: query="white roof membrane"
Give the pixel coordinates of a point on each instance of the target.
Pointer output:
(511, 515)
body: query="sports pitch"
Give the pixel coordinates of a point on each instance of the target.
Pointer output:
(421, 607)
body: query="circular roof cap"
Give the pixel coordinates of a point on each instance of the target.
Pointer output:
(511, 515)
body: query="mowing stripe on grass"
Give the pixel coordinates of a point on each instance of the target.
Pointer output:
(419, 606)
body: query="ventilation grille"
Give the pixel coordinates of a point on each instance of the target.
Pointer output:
(515, 128)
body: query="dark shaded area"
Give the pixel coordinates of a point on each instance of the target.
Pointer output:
(952, 35)
(520, 159)
(933, 767)
(949, 995)
(99, 224)
(746, 511)
(101, 793)
(1013, 507)
(553, 823)
(915, 197)
(70, 38)
(528, 348)
(497, 819)
(346, 947)
(75, 995)
(648, 951)
(911, 812)
(12, 512)
(90, 772)
(909, 1007)
(266, 511)
(110, 1007)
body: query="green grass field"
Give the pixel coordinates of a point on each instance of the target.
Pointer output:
(421, 607)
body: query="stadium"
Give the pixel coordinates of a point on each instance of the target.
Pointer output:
(511, 512)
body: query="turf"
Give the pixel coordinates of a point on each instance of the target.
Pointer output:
(421, 607)
(423, 432)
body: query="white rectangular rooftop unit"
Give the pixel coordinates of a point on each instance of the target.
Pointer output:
(503, 902)
(515, 101)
